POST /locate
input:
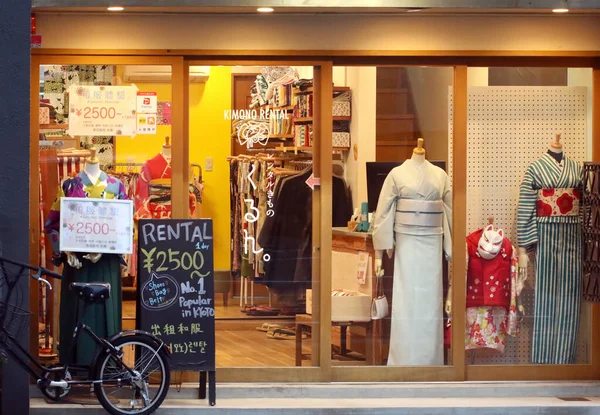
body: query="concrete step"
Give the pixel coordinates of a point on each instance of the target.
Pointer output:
(357, 406)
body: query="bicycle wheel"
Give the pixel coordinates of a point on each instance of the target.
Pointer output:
(141, 393)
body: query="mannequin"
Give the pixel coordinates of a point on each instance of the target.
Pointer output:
(555, 149)
(166, 149)
(413, 217)
(418, 156)
(549, 225)
(153, 194)
(104, 319)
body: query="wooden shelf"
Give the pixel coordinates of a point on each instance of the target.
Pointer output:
(310, 90)
(304, 120)
(395, 117)
(54, 127)
(286, 108)
(281, 136)
(392, 91)
(294, 149)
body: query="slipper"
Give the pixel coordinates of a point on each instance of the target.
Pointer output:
(284, 334)
(267, 327)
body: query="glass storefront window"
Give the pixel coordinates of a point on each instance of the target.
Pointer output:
(251, 146)
(398, 173)
(96, 151)
(528, 134)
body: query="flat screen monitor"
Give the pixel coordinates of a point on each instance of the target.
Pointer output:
(377, 171)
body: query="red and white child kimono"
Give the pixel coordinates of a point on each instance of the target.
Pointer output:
(153, 196)
(492, 290)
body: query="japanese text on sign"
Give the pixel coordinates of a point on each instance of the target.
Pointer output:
(102, 110)
(177, 288)
(99, 226)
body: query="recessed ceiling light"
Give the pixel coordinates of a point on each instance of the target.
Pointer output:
(265, 10)
(560, 10)
(116, 9)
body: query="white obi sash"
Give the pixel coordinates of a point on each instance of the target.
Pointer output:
(419, 212)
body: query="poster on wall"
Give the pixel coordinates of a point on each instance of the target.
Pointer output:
(176, 296)
(147, 107)
(102, 110)
(96, 225)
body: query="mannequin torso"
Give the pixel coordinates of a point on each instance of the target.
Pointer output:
(166, 152)
(93, 171)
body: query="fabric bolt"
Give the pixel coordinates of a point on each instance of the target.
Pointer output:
(558, 270)
(104, 319)
(416, 337)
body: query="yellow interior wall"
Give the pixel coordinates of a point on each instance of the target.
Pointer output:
(209, 138)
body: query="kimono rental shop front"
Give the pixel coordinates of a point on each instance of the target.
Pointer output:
(390, 220)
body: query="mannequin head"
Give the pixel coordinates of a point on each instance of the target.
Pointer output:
(490, 242)
(166, 149)
(419, 152)
(92, 165)
(556, 146)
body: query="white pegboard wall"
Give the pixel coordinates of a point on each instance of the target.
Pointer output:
(508, 128)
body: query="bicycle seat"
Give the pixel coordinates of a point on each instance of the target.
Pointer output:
(91, 292)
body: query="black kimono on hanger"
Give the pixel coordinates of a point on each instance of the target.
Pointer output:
(287, 236)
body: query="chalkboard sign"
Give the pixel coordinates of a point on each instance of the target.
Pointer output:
(176, 289)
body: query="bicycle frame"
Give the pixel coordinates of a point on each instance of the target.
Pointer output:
(25, 359)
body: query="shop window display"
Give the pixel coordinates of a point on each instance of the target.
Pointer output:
(107, 165)
(535, 198)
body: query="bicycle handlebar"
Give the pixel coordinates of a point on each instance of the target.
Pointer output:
(41, 270)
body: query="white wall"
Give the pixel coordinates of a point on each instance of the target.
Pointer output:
(321, 32)
(584, 77)
(363, 81)
(429, 88)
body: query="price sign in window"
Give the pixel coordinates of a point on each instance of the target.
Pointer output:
(102, 110)
(96, 225)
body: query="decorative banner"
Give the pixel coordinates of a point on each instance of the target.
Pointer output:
(96, 225)
(146, 123)
(176, 276)
(147, 102)
(102, 110)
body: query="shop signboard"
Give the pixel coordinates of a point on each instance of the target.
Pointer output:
(176, 295)
(96, 225)
(102, 110)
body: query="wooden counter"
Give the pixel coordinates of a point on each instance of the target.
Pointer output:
(346, 248)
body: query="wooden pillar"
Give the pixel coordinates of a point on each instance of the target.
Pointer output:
(180, 145)
(322, 207)
(459, 218)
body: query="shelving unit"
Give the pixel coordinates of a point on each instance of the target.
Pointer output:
(51, 127)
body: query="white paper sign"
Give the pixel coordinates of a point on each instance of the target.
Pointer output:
(146, 123)
(147, 102)
(96, 225)
(102, 110)
(363, 266)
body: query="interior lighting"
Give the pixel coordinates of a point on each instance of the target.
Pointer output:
(265, 10)
(561, 10)
(116, 9)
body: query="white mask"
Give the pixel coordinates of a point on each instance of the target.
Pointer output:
(490, 242)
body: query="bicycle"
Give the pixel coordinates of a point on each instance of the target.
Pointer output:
(115, 366)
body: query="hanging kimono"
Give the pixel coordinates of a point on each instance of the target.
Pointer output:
(414, 213)
(153, 198)
(548, 222)
(492, 290)
(104, 319)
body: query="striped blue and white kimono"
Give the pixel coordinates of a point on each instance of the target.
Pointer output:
(549, 222)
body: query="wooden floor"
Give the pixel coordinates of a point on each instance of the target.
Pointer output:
(239, 343)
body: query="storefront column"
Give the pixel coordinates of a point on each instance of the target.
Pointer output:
(14, 171)
(459, 217)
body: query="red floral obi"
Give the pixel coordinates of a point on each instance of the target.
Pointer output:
(558, 202)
